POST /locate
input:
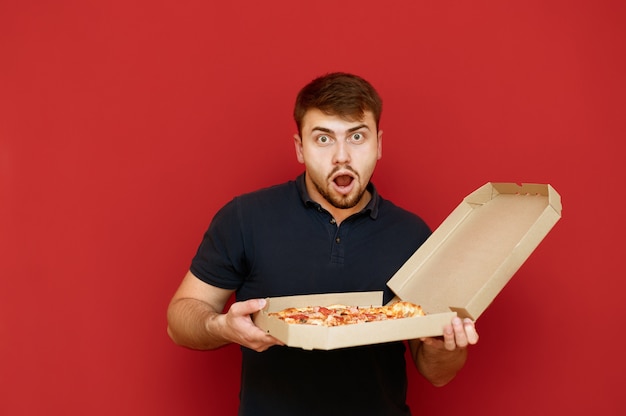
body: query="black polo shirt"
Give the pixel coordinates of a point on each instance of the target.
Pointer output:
(278, 242)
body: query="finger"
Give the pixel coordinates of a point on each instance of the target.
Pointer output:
(248, 307)
(428, 340)
(264, 343)
(276, 341)
(470, 331)
(459, 332)
(448, 338)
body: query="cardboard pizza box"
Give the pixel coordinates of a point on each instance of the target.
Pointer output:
(311, 337)
(459, 270)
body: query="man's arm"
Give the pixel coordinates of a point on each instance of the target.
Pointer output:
(195, 319)
(439, 359)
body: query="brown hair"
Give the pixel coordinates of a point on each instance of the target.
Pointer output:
(338, 93)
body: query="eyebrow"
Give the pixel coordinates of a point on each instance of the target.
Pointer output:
(350, 130)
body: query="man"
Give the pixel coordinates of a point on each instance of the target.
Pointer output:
(327, 231)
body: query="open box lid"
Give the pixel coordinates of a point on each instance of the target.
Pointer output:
(472, 255)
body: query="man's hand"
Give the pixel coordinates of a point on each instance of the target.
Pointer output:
(458, 334)
(239, 328)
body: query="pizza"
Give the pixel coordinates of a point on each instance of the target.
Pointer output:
(336, 315)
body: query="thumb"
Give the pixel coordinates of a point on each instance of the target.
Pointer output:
(249, 306)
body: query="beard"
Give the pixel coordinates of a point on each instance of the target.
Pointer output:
(341, 201)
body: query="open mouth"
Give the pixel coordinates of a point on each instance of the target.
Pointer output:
(343, 180)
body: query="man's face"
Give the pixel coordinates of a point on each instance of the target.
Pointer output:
(339, 155)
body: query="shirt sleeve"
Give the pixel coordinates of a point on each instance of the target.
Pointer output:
(220, 260)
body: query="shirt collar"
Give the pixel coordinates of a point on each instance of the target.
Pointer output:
(371, 207)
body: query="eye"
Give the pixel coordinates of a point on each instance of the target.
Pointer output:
(323, 139)
(356, 137)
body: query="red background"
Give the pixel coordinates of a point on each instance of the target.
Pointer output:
(124, 126)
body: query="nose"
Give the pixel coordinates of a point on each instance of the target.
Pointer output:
(342, 153)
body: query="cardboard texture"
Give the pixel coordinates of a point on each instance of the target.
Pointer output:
(325, 338)
(459, 270)
(473, 254)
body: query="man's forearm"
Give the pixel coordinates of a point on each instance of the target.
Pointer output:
(192, 324)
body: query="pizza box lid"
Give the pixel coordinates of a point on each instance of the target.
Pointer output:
(473, 254)
(326, 338)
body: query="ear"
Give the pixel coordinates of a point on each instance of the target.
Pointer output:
(297, 140)
(380, 144)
